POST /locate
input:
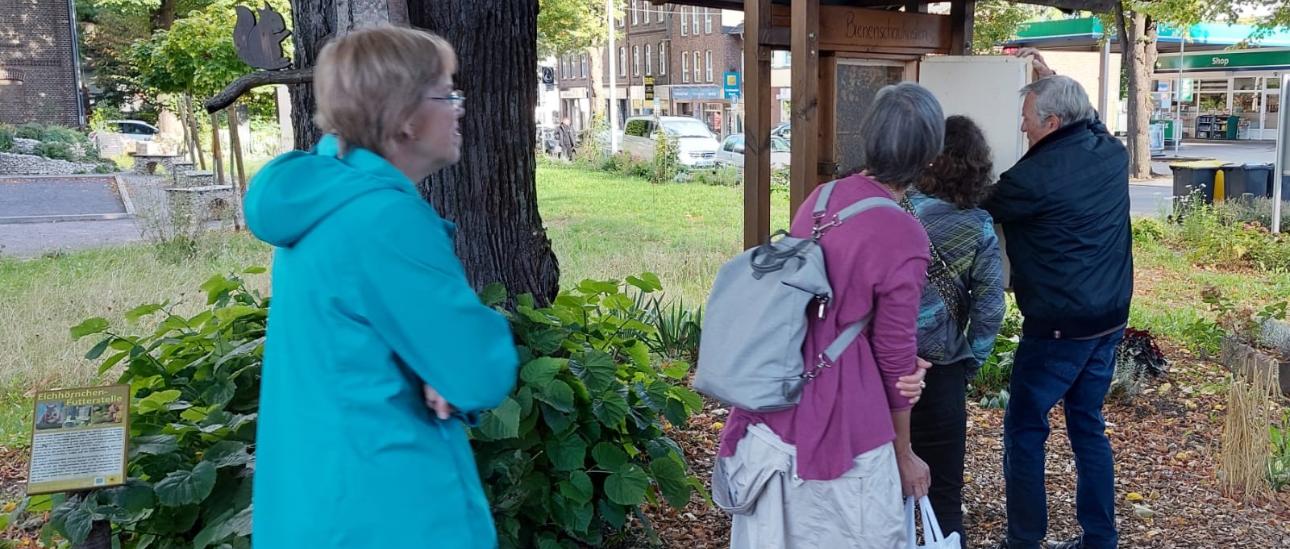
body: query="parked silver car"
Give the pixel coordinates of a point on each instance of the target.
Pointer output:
(697, 146)
(732, 152)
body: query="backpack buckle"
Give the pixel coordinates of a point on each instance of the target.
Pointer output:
(821, 362)
(819, 229)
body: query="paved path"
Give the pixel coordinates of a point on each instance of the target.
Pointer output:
(27, 240)
(56, 196)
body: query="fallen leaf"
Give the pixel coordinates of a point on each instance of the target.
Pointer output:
(1134, 497)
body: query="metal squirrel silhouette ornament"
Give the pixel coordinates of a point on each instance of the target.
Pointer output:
(259, 43)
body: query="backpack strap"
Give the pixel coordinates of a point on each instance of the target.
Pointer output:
(831, 353)
(820, 212)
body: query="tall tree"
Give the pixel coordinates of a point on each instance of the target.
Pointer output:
(491, 194)
(570, 25)
(997, 21)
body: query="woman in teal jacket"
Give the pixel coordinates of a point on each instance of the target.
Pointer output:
(378, 352)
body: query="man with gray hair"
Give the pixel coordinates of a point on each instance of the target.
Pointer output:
(1064, 208)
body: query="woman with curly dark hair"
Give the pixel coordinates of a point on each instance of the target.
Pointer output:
(961, 308)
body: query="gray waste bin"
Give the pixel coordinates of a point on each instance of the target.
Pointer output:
(1195, 175)
(1243, 179)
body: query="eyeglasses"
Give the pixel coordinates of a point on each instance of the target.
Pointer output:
(455, 98)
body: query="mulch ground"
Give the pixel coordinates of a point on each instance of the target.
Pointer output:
(1166, 444)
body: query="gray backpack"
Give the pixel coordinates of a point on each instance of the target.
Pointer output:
(750, 351)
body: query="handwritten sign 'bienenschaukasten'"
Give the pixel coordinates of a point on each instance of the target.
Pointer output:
(79, 439)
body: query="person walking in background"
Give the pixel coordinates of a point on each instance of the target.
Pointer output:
(565, 138)
(1064, 208)
(961, 310)
(378, 353)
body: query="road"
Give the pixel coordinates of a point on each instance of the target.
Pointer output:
(1150, 200)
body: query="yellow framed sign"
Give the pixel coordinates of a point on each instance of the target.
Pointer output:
(79, 439)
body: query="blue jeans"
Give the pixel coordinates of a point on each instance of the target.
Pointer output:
(1077, 372)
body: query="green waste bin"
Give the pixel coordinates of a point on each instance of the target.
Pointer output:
(1233, 124)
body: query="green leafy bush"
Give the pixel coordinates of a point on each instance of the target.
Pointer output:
(195, 385)
(582, 442)
(1147, 230)
(990, 386)
(31, 130)
(7, 133)
(666, 160)
(568, 458)
(724, 176)
(55, 150)
(1279, 462)
(677, 329)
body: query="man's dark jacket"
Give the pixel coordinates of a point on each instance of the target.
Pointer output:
(1064, 208)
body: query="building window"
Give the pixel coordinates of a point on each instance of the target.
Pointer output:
(649, 60)
(698, 68)
(780, 59)
(707, 63)
(662, 58)
(636, 60)
(685, 67)
(584, 65)
(622, 61)
(685, 21)
(635, 16)
(694, 21)
(647, 10)
(707, 20)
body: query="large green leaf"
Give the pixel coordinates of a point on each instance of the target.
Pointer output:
(672, 480)
(578, 488)
(541, 371)
(627, 485)
(133, 315)
(610, 408)
(608, 456)
(237, 525)
(558, 421)
(647, 282)
(97, 350)
(613, 514)
(78, 521)
(157, 401)
(596, 368)
(153, 445)
(677, 369)
(558, 394)
(693, 402)
(502, 422)
(96, 325)
(493, 295)
(227, 453)
(219, 392)
(545, 340)
(567, 454)
(186, 487)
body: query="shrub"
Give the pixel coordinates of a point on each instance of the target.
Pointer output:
(7, 133)
(31, 130)
(1147, 230)
(581, 443)
(666, 162)
(1279, 462)
(990, 386)
(724, 176)
(195, 384)
(677, 329)
(1137, 359)
(55, 150)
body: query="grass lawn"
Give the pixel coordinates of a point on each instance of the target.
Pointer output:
(603, 226)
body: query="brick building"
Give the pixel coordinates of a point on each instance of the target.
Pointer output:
(685, 50)
(39, 63)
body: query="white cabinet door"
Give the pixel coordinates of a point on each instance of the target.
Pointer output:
(987, 90)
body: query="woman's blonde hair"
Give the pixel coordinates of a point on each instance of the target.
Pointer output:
(368, 82)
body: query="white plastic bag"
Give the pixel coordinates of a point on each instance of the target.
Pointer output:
(933, 538)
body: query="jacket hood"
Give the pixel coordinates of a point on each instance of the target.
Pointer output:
(296, 191)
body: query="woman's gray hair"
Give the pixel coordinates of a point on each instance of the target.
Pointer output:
(1060, 96)
(903, 132)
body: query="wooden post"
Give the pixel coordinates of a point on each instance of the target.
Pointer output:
(239, 182)
(915, 6)
(217, 159)
(757, 129)
(961, 23)
(806, 90)
(827, 118)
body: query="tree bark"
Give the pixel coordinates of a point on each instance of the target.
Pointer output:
(491, 194)
(217, 159)
(164, 16)
(236, 172)
(314, 22)
(1138, 57)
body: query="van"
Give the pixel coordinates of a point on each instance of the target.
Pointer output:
(696, 145)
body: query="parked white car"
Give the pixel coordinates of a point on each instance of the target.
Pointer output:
(732, 152)
(121, 136)
(696, 145)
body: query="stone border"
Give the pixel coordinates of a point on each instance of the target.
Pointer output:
(122, 192)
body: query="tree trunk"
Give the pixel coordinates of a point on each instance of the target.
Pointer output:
(1138, 58)
(195, 130)
(314, 22)
(217, 159)
(491, 194)
(164, 16)
(236, 172)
